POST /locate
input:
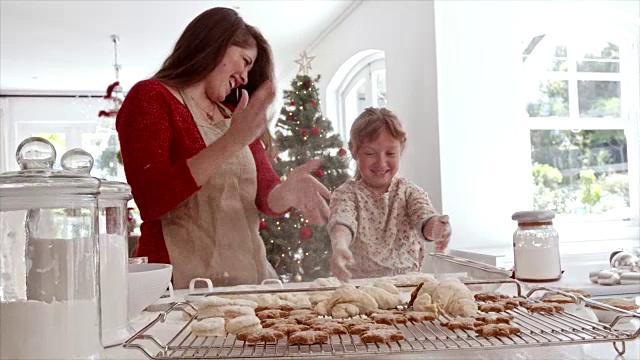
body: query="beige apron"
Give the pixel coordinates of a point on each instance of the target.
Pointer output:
(214, 233)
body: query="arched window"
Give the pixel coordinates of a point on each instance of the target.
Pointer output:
(363, 84)
(581, 106)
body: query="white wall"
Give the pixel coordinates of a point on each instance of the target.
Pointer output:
(479, 129)
(404, 30)
(465, 141)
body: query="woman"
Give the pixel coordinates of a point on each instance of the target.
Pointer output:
(193, 141)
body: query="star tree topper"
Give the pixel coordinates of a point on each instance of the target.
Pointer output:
(305, 63)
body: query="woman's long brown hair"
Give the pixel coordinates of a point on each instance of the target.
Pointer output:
(202, 46)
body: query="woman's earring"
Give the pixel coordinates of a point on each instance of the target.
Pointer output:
(238, 95)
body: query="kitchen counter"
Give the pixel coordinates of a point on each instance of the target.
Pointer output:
(167, 330)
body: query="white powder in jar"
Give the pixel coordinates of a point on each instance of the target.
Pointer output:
(114, 288)
(537, 264)
(58, 330)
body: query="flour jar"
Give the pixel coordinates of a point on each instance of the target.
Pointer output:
(536, 247)
(112, 237)
(49, 291)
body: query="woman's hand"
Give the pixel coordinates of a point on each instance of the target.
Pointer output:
(438, 229)
(249, 120)
(304, 192)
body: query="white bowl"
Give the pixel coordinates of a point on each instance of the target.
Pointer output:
(147, 282)
(607, 316)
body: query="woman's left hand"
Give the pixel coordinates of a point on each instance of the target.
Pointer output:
(438, 229)
(306, 193)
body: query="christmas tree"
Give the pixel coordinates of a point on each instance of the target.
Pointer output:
(295, 248)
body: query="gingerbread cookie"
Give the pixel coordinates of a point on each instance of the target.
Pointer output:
(359, 329)
(289, 329)
(419, 316)
(389, 319)
(489, 296)
(462, 324)
(331, 328)
(543, 308)
(302, 318)
(381, 336)
(267, 323)
(578, 292)
(498, 330)
(618, 303)
(497, 319)
(349, 323)
(322, 320)
(271, 314)
(515, 301)
(260, 335)
(308, 337)
(556, 298)
(492, 307)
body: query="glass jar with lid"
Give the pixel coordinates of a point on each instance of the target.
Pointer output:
(49, 291)
(536, 247)
(114, 250)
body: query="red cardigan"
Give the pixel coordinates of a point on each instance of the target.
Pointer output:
(157, 135)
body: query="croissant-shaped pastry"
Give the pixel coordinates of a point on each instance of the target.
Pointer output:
(343, 311)
(383, 298)
(462, 308)
(387, 286)
(423, 303)
(448, 292)
(321, 308)
(349, 294)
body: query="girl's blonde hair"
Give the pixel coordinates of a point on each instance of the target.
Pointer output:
(368, 126)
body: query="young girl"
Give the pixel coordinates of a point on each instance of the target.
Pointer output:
(379, 221)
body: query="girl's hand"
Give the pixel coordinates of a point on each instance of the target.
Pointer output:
(306, 193)
(339, 260)
(438, 229)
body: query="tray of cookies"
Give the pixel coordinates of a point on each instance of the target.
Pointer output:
(372, 319)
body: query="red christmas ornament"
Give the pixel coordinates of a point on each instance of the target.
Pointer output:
(292, 213)
(306, 233)
(315, 131)
(319, 172)
(303, 132)
(313, 103)
(342, 152)
(292, 102)
(278, 158)
(263, 225)
(306, 83)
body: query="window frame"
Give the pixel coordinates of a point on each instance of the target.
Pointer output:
(590, 227)
(363, 69)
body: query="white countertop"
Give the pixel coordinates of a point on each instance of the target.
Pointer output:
(605, 350)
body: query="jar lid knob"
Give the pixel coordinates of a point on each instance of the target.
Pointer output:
(36, 153)
(77, 160)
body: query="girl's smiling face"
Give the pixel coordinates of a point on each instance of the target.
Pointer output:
(378, 161)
